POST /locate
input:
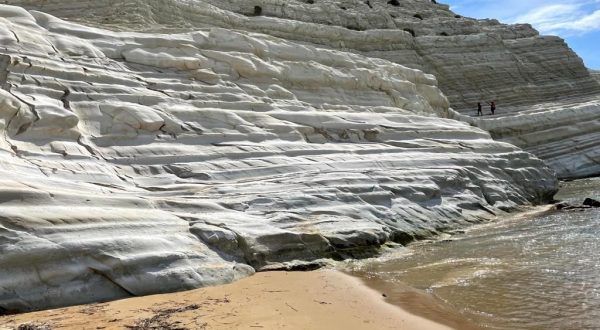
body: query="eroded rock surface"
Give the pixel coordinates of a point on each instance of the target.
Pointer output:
(565, 134)
(472, 59)
(536, 80)
(138, 163)
(595, 74)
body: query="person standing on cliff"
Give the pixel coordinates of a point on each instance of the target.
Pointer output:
(479, 112)
(493, 107)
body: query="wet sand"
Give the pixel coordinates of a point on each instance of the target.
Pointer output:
(418, 303)
(323, 299)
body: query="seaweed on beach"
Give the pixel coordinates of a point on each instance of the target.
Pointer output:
(33, 326)
(160, 321)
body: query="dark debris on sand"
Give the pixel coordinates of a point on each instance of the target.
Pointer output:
(160, 321)
(34, 326)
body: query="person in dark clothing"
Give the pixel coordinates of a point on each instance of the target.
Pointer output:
(479, 112)
(493, 107)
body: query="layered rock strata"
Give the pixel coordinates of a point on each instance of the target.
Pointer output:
(595, 74)
(473, 60)
(136, 163)
(565, 134)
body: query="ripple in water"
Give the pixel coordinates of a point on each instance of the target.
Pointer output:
(540, 273)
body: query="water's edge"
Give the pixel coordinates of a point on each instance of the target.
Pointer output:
(419, 302)
(536, 269)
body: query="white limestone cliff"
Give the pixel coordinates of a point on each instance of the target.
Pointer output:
(473, 60)
(136, 163)
(565, 134)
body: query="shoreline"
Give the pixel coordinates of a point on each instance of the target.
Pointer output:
(265, 300)
(417, 302)
(270, 300)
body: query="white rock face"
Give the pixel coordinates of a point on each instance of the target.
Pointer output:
(473, 60)
(565, 134)
(137, 163)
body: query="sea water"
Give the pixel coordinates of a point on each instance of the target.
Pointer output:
(537, 272)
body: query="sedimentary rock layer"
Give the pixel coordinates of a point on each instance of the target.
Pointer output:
(137, 163)
(565, 134)
(595, 74)
(473, 60)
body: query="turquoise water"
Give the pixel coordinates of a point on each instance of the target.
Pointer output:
(537, 272)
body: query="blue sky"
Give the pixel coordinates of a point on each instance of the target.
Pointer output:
(577, 21)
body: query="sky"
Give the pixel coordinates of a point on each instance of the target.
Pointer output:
(577, 21)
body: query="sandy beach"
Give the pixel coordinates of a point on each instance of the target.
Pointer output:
(323, 299)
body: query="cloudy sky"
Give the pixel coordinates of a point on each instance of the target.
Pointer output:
(577, 21)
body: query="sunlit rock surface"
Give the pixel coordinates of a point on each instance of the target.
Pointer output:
(472, 59)
(595, 74)
(139, 163)
(528, 75)
(565, 134)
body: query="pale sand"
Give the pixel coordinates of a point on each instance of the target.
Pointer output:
(274, 300)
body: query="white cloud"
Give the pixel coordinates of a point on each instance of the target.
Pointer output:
(568, 17)
(584, 23)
